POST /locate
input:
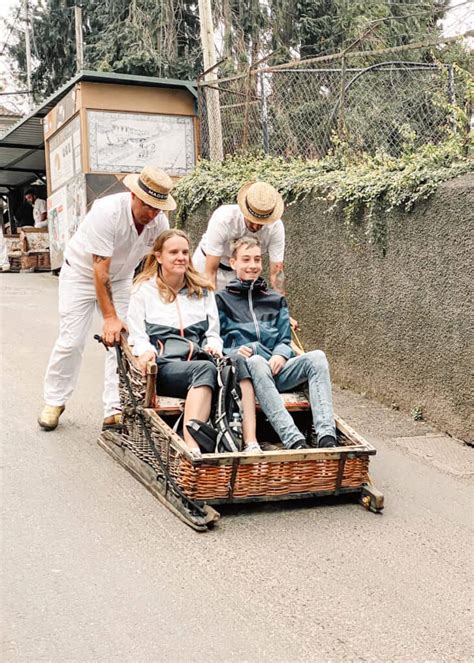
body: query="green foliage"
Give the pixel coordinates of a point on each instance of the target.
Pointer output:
(362, 188)
(141, 37)
(163, 38)
(51, 40)
(145, 37)
(316, 27)
(417, 413)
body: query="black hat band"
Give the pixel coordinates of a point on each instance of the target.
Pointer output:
(151, 192)
(256, 214)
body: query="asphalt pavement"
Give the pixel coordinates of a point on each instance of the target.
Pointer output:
(95, 569)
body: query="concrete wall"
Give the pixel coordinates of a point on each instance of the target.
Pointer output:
(399, 325)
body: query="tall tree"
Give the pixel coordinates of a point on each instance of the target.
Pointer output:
(308, 28)
(144, 37)
(52, 41)
(161, 37)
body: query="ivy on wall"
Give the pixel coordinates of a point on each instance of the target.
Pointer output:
(363, 188)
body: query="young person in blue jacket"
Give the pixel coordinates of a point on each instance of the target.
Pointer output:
(255, 323)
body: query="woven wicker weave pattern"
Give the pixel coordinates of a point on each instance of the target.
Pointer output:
(138, 384)
(235, 476)
(271, 479)
(257, 478)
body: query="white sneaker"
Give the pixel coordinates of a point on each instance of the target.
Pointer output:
(196, 453)
(253, 448)
(6, 268)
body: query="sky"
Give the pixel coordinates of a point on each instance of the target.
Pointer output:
(459, 20)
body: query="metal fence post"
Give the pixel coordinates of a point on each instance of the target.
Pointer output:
(341, 129)
(264, 112)
(245, 136)
(452, 95)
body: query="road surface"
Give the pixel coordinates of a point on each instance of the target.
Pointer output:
(95, 569)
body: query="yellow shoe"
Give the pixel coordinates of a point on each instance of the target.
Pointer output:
(49, 417)
(114, 422)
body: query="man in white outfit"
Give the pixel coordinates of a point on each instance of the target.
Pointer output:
(40, 214)
(99, 263)
(258, 211)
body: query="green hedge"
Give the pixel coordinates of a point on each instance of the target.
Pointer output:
(362, 187)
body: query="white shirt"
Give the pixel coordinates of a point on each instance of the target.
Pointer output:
(147, 309)
(39, 208)
(228, 224)
(108, 230)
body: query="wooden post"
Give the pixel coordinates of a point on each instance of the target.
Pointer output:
(79, 47)
(212, 95)
(28, 54)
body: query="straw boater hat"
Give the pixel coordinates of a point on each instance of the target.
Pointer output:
(153, 186)
(260, 202)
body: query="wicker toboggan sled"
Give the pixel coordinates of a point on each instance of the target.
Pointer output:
(149, 449)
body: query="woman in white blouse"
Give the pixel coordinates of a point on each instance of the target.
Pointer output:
(172, 317)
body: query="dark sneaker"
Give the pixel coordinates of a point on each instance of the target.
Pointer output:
(326, 442)
(300, 443)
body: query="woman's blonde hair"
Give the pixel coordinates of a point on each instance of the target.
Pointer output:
(195, 282)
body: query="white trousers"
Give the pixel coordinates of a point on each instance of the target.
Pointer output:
(224, 276)
(77, 302)
(3, 251)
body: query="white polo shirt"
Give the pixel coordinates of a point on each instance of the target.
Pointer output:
(108, 230)
(228, 224)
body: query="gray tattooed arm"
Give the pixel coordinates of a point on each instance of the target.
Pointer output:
(108, 289)
(113, 325)
(277, 277)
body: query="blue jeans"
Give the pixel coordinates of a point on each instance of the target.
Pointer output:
(311, 368)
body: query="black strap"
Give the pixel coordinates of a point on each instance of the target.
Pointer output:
(226, 268)
(151, 192)
(226, 435)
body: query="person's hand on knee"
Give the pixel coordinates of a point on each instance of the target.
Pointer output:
(245, 351)
(276, 363)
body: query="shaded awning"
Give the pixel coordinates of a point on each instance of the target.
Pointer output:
(22, 158)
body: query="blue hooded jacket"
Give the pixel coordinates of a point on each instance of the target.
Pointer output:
(251, 314)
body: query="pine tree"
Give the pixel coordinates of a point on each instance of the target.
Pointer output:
(141, 37)
(161, 37)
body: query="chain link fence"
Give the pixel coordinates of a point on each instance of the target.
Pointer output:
(303, 112)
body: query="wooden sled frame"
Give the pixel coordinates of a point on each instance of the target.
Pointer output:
(229, 478)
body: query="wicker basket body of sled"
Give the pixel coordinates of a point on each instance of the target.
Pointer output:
(220, 478)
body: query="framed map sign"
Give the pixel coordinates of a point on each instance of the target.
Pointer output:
(125, 142)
